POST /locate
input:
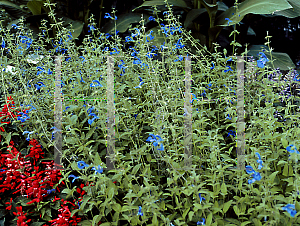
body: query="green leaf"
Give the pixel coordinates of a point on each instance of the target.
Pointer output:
(284, 142)
(86, 223)
(178, 3)
(110, 193)
(236, 210)
(123, 23)
(250, 6)
(291, 171)
(135, 169)
(192, 15)
(96, 220)
(226, 206)
(154, 219)
(13, 9)
(73, 119)
(36, 6)
(224, 189)
(245, 223)
(191, 214)
(272, 176)
(286, 170)
(86, 198)
(209, 219)
(290, 13)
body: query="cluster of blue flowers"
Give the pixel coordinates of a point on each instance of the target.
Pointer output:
(153, 138)
(81, 165)
(256, 175)
(89, 111)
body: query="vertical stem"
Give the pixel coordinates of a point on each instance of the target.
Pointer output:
(188, 115)
(110, 154)
(57, 114)
(240, 115)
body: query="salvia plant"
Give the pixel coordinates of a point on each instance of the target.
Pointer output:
(149, 184)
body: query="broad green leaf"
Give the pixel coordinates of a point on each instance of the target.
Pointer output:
(251, 6)
(290, 13)
(13, 9)
(35, 6)
(110, 193)
(236, 210)
(281, 60)
(178, 3)
(284, 142)
(73, 119)
(123, 23)
(209, 219)
(286, 170)
(191, 214)
(272, 177)
(86, 198)
(291, 171)
(224, 189)
(226, 206)
(193, 14)
(96, 220)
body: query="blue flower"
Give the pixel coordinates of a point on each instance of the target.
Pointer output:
(140, 211)
(231, 132)
(292, 149)
(194, 98)
(90, 110)
(73, 177)
(39, 87)
(3, 43)
(107, 15)
(99, 170)
(259, 161)
(179, 45)
(262, 61)
(212, 66)
(150, 36)
(290, 209)
(108, 35)
(91, 28)
(141, 83)
(228, 69)
(201, 223)
(180, 58)
(228, 20)
(201, 198)
(151, 18)
(128, 39)
(249, 169)
(82, 165)
(228, 117)
(28, 137)
(154, 139)
(98, 84)
(50, 191)
(203, 94)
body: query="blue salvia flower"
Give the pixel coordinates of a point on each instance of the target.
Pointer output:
(249, 169)
(128, 39)
(90, 121)
(201, 198)
(98, 83)
(212, 66)
(73, 177)
(28, 137)
(262, 61)
(231, 132)
(154, 139)
(91, 28)
(138, 61)
(179, 45)
(259, 161)
(138, 33)
(150, 36)
(115, 51)
(3, 43)
(201, 223)
(82, 164)
(194, 98)
(228, 117)
(98, 170)
(151, 18)
(203, 94)
(140, 211)
(141, 83)
(228, 20)
(90, 109)
(229, 69)
(38, 87)
(107, 15)
(290, 208)
(24, 117)
(292, 149)
(180, 58)
(50, 191)
(256, 176)
(107, 35)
